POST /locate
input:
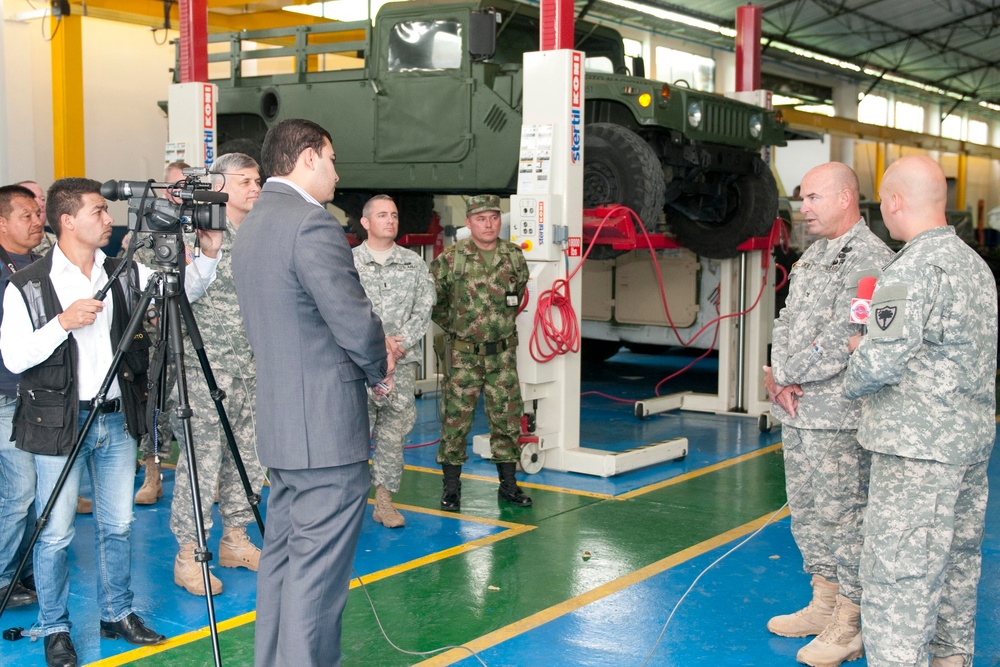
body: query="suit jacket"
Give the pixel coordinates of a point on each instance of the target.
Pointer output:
(312, 330)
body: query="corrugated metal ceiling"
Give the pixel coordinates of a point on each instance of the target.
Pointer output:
(951, 45)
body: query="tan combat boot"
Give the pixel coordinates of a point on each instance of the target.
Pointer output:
(236, 549)
(152, 487)
(839, 642)
(187, 572)
(950, 661)
(812, 619)
(385, 513)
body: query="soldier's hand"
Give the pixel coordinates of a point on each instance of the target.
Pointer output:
(788, 398)
(80, 313)
(853, 342)
(393, 347)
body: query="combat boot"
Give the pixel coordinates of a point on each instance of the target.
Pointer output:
(236, 549)
(152, 487)
(839, 642)
(187, 572)
(812, 619)
(385, 513)
(451, 497)
(509, 491)
(950, 661)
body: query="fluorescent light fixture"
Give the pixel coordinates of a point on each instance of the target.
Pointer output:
(340, 10)
(666, 15)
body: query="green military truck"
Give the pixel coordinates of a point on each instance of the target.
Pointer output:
(428, 101)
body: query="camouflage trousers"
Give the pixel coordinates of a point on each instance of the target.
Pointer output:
(921, 560)
(391, 418)
(826, 481)
(216, 468)
(495, 376)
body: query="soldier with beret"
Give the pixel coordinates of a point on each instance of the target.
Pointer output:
(480, 283)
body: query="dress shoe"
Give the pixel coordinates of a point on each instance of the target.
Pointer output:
(59, 651)
(131, 630)
(20, 596)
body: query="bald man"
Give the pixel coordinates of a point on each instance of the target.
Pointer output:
(927, 366)
(826, 470)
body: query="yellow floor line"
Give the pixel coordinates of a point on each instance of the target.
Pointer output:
(521, 482)
(511, 530)
(540, 618)
(699, 472)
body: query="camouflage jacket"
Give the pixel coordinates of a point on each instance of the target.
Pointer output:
(473, 306)
(402, 295)
(810, 335)
(928, 360)
(217, 313)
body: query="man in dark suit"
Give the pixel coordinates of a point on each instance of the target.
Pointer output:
(317, 342)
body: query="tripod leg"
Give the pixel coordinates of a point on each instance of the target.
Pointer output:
(218, 396)
(173, 312)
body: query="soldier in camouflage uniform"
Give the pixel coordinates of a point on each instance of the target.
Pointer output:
(480, 283)
(218, 317)
(152, 486)
(928, 368)
(826, 470)
(402, 295)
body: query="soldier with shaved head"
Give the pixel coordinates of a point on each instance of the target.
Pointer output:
(927, 366)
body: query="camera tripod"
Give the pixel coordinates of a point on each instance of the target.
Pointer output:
(166, 287)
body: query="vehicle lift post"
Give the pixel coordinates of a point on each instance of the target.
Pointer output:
(546, 215)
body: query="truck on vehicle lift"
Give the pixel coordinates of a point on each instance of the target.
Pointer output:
(428, 101)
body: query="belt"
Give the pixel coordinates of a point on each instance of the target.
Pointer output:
(114, 405)
(484, 349)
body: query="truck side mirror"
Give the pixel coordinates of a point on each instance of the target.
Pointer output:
(483, 33)
(639, 67)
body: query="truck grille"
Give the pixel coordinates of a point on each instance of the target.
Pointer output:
(725, 120)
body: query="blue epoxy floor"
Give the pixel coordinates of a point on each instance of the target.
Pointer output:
(720, 623)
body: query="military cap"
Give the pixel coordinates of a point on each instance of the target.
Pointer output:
(480, 203)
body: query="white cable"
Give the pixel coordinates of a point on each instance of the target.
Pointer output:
(752, 535)
(403, 650)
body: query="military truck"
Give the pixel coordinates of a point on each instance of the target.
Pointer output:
(428, 101)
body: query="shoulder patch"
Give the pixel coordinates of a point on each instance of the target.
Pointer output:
(888, 311)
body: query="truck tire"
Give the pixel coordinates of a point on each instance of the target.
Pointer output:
(595, 350)
(620, 168)
(751, 208)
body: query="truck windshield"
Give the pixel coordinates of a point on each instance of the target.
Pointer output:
(519, 34)
(425, 46)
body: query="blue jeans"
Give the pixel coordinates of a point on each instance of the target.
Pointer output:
(17, 495)
(108, 453)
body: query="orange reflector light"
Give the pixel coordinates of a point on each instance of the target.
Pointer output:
(665, 92)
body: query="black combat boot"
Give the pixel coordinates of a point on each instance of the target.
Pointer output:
(451, 498)
(509, 490)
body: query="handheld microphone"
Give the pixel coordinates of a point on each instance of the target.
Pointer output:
(862, 303)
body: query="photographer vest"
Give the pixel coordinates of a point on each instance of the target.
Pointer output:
(47, 412)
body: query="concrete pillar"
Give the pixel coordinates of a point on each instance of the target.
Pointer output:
(845, 105)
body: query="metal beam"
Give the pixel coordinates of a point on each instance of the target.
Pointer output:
(66, 47)
(845, 127)
(150, 13)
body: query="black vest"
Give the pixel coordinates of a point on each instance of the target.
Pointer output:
(47, 412)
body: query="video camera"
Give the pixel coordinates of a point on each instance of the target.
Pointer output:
(192, 204)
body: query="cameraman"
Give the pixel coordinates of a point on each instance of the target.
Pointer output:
(217, 313)
(63, 355)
